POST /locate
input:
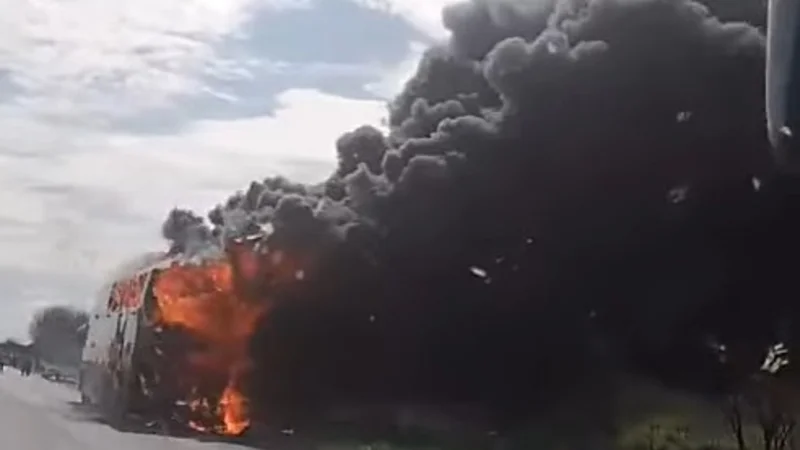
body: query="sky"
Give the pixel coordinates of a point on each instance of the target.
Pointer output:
(113, 112)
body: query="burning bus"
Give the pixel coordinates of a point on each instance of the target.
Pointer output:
(122, 310)
(169, 343)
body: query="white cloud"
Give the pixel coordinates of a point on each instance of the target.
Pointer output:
(426, 15)
(144, 176)
(96, 58)
(394, 78)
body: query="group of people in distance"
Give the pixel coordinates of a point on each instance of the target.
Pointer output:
(23, 364)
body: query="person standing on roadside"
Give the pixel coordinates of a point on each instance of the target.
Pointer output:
(26, 367)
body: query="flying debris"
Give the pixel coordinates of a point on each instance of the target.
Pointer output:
(777, 357)
(678, 194)
(478, 272)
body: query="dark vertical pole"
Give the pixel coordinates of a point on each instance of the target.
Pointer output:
(782, 95)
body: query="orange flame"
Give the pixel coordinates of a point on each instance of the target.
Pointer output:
(234, 410)
(203, 301)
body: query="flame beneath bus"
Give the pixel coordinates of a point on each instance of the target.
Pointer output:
(205, 302)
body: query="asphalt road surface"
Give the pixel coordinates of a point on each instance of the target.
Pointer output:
(39, 415)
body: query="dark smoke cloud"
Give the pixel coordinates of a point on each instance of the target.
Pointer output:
(185, 230)
(565, 183)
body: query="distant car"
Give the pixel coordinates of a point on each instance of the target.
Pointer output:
(52, 374)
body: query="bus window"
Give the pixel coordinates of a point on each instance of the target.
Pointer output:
(128, 293)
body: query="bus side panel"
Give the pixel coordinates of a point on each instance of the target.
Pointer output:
(106, 366)
(96, 355)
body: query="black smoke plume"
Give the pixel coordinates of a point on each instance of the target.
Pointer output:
(568, 187)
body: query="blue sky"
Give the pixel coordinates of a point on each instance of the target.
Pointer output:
(111, 113)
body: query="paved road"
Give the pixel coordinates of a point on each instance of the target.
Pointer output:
(38, 415)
